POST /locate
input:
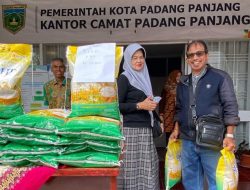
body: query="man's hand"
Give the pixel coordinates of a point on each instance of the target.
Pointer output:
(174, 135)
(229, 144)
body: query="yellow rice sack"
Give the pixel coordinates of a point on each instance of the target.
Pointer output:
(227, 172)
(14, 61)
(173, 164)
(60, 113)
(94, 98)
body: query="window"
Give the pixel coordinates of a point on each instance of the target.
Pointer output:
(234, 58)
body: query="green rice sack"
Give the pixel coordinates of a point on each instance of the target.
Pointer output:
(89, 148)
(29, 138)
(10, 161)
(90, 159)
(42, 122)
(92, 127)
(33, 124)
(19, 149)
(25, 160)
(3, 141)
(104, 144)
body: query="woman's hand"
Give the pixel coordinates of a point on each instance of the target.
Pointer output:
(148, 104)
(162, 127)
(162, 122)
(162, 119)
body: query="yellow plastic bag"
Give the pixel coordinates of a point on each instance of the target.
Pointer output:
(14, 61)
(227, 172)
(173, 164)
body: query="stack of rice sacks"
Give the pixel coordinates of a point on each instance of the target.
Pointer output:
(95, 113)
(18, 133)
(87, 136)
(14, 61)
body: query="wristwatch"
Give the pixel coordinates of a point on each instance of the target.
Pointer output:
(229, 135)
(137, 106)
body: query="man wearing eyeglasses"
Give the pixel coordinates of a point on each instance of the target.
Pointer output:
(212, 92)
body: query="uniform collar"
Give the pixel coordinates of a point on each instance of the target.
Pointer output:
(56, 83)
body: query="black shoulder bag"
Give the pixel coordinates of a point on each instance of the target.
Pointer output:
(209, 129)
(156, 129)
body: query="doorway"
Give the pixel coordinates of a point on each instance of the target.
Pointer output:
(161, 59)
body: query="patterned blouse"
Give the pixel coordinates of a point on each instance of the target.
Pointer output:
(167, 106)
(54, 94)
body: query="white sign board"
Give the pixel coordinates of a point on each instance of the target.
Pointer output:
(95, 63)
(95, 21)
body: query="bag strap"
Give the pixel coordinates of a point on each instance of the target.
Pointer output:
(192, 101)
(156, 116)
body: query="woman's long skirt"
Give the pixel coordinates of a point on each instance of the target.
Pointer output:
(139, 170)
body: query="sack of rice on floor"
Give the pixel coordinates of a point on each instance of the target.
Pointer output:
(14, 61)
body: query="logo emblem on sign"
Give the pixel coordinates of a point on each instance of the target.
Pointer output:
(13, 17)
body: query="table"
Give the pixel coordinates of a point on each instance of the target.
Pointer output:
(111, 173)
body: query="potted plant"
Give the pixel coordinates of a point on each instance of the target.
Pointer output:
(243, 154)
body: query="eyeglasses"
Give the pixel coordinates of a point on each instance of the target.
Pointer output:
(198, 54)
